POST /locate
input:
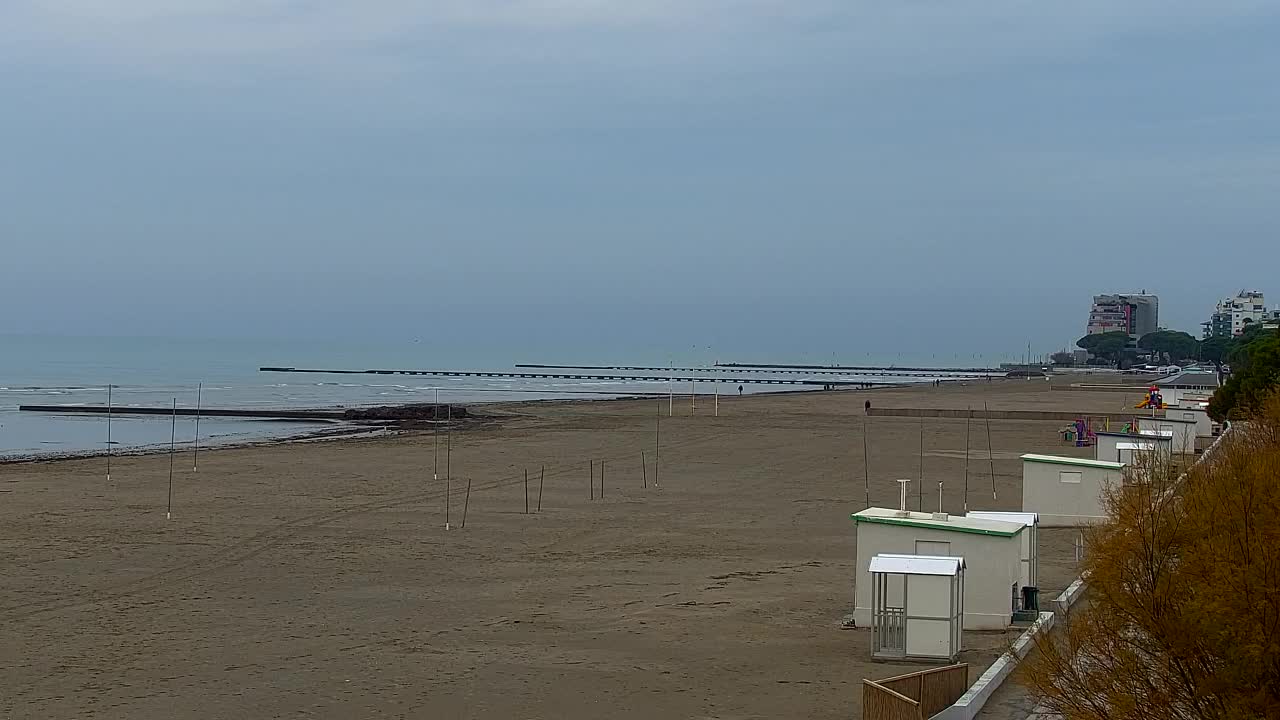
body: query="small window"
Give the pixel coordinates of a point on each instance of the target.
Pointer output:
(1067, 476)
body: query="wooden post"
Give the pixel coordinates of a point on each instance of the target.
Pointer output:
(657, 444)
(866, 464)
(644, 471)
(448, 461)
(920, 489)
(967, 417)
(526, 491)
(542, 476)
(602, 479)
(195, 454)
(466, 503)
(108, 432)
(990, 453)
(717, 386)
(173, 438)
(591, 479)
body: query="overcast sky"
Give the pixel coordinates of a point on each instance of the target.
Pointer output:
(759, 175)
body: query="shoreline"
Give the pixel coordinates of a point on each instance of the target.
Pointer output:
(357, 429)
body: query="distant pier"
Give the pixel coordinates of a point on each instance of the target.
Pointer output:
(782, 370)
(824, 383)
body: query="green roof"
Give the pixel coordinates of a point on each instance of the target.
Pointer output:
(1079, 462)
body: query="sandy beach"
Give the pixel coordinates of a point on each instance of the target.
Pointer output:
(318, 580)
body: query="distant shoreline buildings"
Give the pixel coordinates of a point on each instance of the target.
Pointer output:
(1234, 314)
(1135, 314)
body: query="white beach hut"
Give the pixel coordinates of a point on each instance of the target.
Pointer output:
(1067, 491)
(992, 550)
(1195, 413)
(1181, 432)
(1128, 448)
(1030, 542)
(917, 607)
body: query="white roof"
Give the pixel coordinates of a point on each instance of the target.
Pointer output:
(1028, 519)
(954, 523)
(1139, 445)
(916, 564)
(1157, 435)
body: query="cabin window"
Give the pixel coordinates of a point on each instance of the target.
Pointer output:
(1068, 476)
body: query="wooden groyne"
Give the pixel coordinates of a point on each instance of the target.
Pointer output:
(299, 415)
(394, 413)
(1006, 414)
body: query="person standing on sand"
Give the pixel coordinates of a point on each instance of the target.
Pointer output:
(739, 391)
(866, 408)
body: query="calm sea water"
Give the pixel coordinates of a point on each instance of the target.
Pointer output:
(148, 372)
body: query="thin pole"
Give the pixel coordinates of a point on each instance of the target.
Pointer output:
(542, 476)
(866, 465)
(466, 504)
(671, 396)
(195, 454)
(173, 439)
(435, 436)
(717, 387)
(602, 466)
(644, 470)
(990, 453)
(526, 491)
(657, 444)
(693, 397)
(448, 461)
(108, 432)
(920, 488)
(966, 460)
(591, 479)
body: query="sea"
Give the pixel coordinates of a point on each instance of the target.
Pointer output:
(156, 372)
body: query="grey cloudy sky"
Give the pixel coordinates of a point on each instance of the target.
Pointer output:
(819, 176)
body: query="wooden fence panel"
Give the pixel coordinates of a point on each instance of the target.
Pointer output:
(881, 703)
(914, 696)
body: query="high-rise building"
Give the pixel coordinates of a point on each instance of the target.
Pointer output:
(1135, 314)
(1233, 314)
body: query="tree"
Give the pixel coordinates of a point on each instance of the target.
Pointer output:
(1182, 618)
(1178, 345)
(1216, 349)
(1107, 345)
(1255, 373)
(1062, 358)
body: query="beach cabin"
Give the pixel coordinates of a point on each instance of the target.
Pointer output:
(1067, 491)
(1129, 449)
(1188, 385)
(1195, 413)
(992, 550)
(1182, 432)
(1030, 542)
(917, 607)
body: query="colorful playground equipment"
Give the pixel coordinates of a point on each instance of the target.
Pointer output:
(1153, 399)
(1080, 432)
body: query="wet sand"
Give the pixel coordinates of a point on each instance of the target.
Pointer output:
(318, 580)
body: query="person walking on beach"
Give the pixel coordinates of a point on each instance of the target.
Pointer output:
(739, 391)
